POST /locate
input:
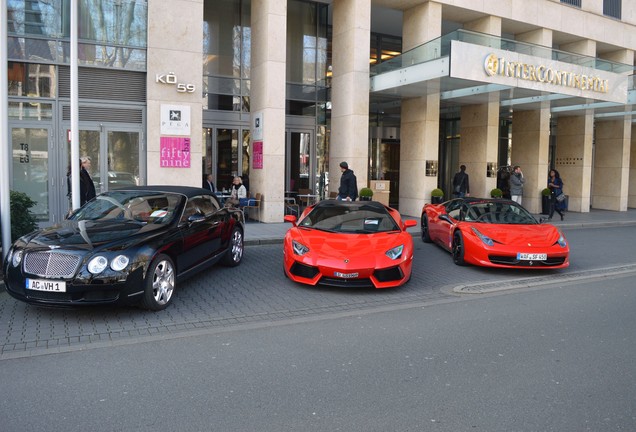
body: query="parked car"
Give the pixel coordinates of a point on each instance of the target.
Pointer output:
(125, 246)
(349, 244)
(495, 233)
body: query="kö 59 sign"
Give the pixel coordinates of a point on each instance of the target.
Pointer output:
(171, 79)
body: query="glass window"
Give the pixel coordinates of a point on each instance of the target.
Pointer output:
(612, 8)
(122, 22)
(30, 111)
(572, 2)
(223, 38)
(32, 80)
(306, 43)
(30, 154)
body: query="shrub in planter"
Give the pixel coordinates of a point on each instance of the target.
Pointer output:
(366, 194)
(437, 195)
(22, 220)
(496, 193)
(545, 201)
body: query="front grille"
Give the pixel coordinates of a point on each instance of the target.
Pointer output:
(51, 264)
(388, 275)
(347, 283)
(511, 260)
(302, 270)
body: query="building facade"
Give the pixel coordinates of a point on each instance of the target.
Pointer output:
(281, 92)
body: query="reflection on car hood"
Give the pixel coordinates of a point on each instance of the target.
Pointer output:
(92, 234)
(536, 235)
(336, 245)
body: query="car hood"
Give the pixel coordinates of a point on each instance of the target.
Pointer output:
(341, 246)
(93, 234)
(532, 235)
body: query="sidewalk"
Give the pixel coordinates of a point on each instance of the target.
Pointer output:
(271, 233)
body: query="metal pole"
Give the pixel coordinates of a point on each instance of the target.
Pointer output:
(75, 167)
(5, 154)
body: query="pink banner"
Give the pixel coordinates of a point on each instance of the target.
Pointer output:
(257, 156)
(175, 152)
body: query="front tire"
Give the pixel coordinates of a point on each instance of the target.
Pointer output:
(458, 249)
(234, 253)
(159, 284)
(426, 237)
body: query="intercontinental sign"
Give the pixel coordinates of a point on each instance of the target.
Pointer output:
(517, 70)
(494, 65)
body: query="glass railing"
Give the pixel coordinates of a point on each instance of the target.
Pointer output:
(440, 47)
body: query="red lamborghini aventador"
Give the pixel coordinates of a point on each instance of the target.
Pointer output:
(349, 244)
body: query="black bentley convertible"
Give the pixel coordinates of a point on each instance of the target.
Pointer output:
(127, 246)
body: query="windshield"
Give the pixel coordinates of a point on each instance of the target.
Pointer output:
(349, 218)
(498, 213)
(140, 206)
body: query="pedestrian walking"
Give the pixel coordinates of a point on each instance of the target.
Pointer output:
(516, 182)
(557, 198)
(461, 185)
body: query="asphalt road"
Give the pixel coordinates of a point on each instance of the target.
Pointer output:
(258, 292)
(555, 358)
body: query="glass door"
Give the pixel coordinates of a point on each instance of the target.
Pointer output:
(300, 160)
(33, 169)
(122, 160)
(226, 154)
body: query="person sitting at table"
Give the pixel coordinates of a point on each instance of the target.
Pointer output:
(238, 193)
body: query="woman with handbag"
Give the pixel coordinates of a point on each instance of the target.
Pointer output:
(557, 197)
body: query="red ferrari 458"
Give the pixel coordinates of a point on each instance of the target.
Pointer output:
(494, 233)
(349, 244)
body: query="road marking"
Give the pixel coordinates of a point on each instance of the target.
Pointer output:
(510, 284)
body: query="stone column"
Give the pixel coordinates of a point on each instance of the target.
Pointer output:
(574, 158)
(480, 127)
(350, 90)
(611, 164)
(530, 148)
(419, 134)
(531, 136)
(574, 145)
(175, 56)
(267, 99)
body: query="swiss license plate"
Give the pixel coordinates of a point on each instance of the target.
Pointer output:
(46, 285)
(531, 256)
(345, 275)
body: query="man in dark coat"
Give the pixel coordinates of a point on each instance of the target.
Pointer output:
(348, 190)
(87, 187)
(461, 187)
(208, 183)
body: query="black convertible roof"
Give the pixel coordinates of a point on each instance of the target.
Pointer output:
(188, 191)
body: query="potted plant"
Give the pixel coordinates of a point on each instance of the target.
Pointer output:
(545, 201)
(366, 194)
(22, 220)
(496, 193)
(437, 196)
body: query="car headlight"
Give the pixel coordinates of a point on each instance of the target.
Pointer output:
(395, 252)
(119, 263)
(16, 258)
(561, 241)
(299, 248)
(487, 240)
(97, 264)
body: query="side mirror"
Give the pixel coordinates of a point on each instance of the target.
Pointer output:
(196, 218)
(409, 223)
(291, 219)
(446, 218)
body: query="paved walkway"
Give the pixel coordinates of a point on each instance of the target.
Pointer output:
(271, 233)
